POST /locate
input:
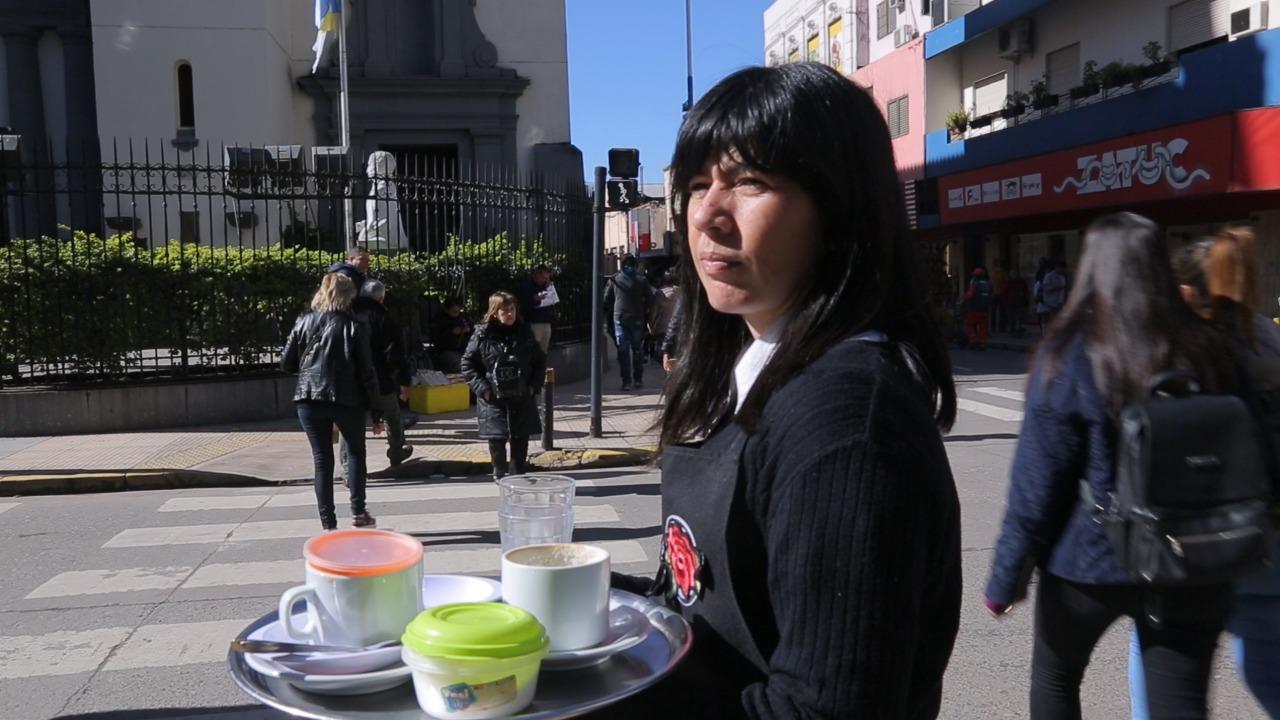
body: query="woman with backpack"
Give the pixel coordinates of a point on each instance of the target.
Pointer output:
(1123, 323)
(505, 366)
(1218, 278)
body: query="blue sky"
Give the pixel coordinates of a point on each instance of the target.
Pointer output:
(627, 69)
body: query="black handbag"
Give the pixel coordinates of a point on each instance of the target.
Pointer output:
(1192, 495)
(508, 378)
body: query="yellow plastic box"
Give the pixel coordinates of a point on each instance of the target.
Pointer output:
(431, 399)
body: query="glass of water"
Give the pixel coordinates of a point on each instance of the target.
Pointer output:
(535, 510)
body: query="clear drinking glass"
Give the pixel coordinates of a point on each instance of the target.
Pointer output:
(535, 510)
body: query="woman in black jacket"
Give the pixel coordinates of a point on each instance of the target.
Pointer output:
(505, 366)
(329, 350)
(810, 521)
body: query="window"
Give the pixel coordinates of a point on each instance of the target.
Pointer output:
(835, 51)
(189, 226)
(897, 117)
(886, 19)
(815, 49)
(186, 98)
(794, 55)
(988, 94)
(1062, 69)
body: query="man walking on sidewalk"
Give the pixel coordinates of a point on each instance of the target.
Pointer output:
(531, 293)
(390, 364)
(627, 298)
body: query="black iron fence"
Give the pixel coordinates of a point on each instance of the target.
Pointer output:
(141, 261)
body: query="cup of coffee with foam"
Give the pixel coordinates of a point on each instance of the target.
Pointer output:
(565, 586)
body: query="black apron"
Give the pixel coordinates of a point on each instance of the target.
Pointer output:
(700, 488)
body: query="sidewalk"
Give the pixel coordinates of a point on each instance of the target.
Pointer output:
(277, 452)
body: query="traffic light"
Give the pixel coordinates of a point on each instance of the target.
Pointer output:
(622, 194)
(624, 163)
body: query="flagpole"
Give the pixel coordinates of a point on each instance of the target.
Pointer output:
(345, 120)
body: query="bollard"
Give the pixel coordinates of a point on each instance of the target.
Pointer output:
(548, 396)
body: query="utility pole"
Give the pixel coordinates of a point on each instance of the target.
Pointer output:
(596, 429)
(688, 53)
(344, 110)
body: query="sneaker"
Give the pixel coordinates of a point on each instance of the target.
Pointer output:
(626, 386)
(363, 520)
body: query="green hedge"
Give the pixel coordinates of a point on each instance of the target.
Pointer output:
(91, 305)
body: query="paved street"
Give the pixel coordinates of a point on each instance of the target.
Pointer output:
(120, 605)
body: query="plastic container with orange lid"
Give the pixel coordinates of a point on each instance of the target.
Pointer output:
(362, 553)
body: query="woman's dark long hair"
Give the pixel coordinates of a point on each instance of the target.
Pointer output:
(1125, 302)
(808, 123)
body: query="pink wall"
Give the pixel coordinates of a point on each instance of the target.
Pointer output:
(892, 76)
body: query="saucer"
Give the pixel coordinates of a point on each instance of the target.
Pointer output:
(628, 627)
(448, 589)
(329, 663)
(328, 684)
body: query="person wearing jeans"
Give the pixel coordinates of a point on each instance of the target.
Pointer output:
(329, 350)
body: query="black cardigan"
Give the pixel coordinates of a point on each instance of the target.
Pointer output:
(846, 532)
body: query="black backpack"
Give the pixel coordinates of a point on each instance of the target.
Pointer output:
(1192, 495)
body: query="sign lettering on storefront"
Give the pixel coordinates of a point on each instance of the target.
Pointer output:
(1183, 160)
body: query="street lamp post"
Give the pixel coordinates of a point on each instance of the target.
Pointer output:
(688, 53)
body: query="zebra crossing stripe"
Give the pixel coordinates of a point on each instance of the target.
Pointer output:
(456, 522)
(1001, 393)
(176, 644)
(991, 411)
(64, 652)
(8, 506)
(100, 582)
(470, 491)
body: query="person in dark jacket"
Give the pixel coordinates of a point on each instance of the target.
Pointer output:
(977, 316)
(539, 317)
(355, 267)
(329, 350)
(626, 299)
(391, 364)
(810, 521)
(671, 337)
(1123, 322)
(1218, 278)
(505, 367)
(450, 332)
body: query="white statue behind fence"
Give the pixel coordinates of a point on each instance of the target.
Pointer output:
(382, 229)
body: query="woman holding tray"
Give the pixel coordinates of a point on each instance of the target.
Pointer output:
(811, 527)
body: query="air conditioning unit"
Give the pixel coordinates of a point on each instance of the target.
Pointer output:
(903, 35)
(1249, 20)
(1015, 39)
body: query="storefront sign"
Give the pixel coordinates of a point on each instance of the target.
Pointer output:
(1188, 159)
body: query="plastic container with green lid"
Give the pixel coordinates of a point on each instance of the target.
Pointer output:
(474, 660)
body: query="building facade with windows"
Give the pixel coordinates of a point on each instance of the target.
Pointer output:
(444, 86)
(1170, 108)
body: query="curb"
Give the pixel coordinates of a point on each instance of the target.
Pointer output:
(73, 482)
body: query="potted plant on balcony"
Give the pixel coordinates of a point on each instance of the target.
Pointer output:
(1041, 98)
(1114, 74)
(982, 121)
(1015, 104)
(957, 123)
(1157, 63)
(1090, 82)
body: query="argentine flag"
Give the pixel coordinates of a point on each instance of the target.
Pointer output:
(328, 15)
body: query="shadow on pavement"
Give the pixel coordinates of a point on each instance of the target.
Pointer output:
(977, 438)
(600, 491)
(591, 534)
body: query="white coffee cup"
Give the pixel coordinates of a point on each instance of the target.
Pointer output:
(362, 587)
(565, 586)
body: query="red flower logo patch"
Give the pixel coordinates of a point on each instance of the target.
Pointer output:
(682, 560)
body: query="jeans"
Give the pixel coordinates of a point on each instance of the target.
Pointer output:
(1178, 650)
(629, 336)
(1257, 657)
(389, 406)
(519, 456)
(318, 420)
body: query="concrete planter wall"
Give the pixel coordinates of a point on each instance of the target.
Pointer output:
(148, 406)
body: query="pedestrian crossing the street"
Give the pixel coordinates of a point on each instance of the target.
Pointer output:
(243, 544)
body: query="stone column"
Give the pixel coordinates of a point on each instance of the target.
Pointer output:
(84, 177)
(36, 214)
